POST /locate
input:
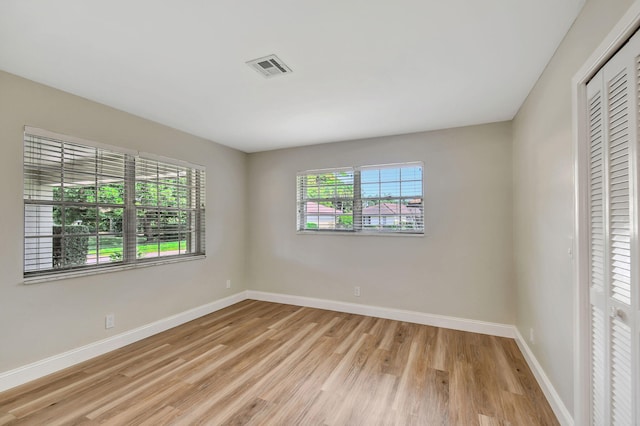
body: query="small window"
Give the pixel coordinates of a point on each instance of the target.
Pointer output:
(88, 206)
(374, 199)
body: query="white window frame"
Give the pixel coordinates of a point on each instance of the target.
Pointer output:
(194, 210)
(359, 226)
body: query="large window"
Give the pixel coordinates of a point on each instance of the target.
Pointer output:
(374, 199)
(88, 206)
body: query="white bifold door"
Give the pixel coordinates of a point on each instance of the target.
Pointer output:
(613, 97)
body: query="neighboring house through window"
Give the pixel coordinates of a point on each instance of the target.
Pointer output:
(320, 216)
(374, 199)
(396, 215)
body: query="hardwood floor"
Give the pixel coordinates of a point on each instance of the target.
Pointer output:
(272, 364)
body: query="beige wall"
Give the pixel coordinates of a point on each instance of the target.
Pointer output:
(543, 197)
(45, 319)
(490, 191)
(462, 267)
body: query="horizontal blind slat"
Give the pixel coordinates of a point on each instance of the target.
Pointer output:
(76, 195)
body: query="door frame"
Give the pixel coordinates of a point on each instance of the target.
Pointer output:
(620, 33)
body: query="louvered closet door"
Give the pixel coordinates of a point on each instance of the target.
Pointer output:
(613, 96)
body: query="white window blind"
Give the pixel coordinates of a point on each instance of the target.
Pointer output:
(89, 206)
(374, 199)
(326, 199)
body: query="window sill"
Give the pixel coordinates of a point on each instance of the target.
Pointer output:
(107, 269)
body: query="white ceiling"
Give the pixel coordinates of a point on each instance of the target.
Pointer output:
(361, 68)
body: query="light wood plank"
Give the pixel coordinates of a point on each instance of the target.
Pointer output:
(260, 363)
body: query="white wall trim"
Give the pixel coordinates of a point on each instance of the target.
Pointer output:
(38, 369)
(463, 324)
(620, 33)
(26, 373)
(560, 410)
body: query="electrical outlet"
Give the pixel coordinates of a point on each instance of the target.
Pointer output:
(356, 291)
(228, 283)
(109, 321)
(532, 336)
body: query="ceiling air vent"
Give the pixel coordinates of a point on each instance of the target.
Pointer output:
(269, 66)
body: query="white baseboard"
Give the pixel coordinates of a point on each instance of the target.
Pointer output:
(26, 373)
(38, 369)
(463, 324)
(562, 413)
